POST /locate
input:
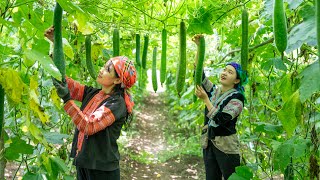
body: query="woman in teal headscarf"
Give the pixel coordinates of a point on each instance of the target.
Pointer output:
(224, 103)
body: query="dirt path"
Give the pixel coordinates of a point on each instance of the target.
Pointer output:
(149, 141)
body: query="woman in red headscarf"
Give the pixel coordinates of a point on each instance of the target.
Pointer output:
(100, 118)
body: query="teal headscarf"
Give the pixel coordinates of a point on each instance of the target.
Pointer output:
(242, 75)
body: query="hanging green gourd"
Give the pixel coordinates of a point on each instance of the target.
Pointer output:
(138, 49)
(116, 42)
(280, 26)
(318, 26)
(145, 51)
(154, 70)
(245, 41)
(58, 56)
(91, 70)
(163, 67)
(181, 69)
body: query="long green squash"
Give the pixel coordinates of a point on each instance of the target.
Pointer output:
(138, 49)
(318, 26)
(1, 109)
(245, 42)
(280, 26)
(201, 54)
(91, 70)
(58, 56)
(199, 66)
(181, 69)
(163, 67)
(116, 42)
(154, 70)
(145, 51)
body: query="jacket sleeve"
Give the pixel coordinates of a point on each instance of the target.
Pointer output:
(228, 113)
(207, 85)
(101, 118)
(76, 89)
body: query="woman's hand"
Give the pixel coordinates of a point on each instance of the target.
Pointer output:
(49, 33)
(201, 93)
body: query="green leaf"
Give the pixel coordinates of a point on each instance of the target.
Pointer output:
(41, 45)
(5, 51)
(32, 176)
(269, 128)
(242, 172)
(84, 25)
(301, 147)
(14, 92)
(33, 16)
(36, 133)
(307, 11)
(302, 33)
(18, 146)
(67, 49)
(55, 137)
(276, 62)
(287, 86)
(68, 178)
(235, 176)
(59, 163)
(290, 113)
(45, 161)
(107, 54)
(69, 6)
(268, 6)
(293, 4)
(310, 81)
(45, 61)
(283, 156)
(201, 22)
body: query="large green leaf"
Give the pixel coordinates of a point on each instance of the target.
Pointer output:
(301, 147)
(32, 176)
(17, 147)
(44, 60)
(55, 137)
(13, 92)
(34, 16)
(310, 83)
(46, 163)
(283, 156)
(58, 163)
(287, 86)
(304, 32)
(295, 148)
(268, 6)
(293, 4)
(290, 113)
(82, 17)
(68, 178)
(36, 133)
(275, 62)
(5, 51)
(269, 128)
(200, 23)
(242, 173)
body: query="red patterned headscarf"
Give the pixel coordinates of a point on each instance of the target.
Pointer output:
(127, 74)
